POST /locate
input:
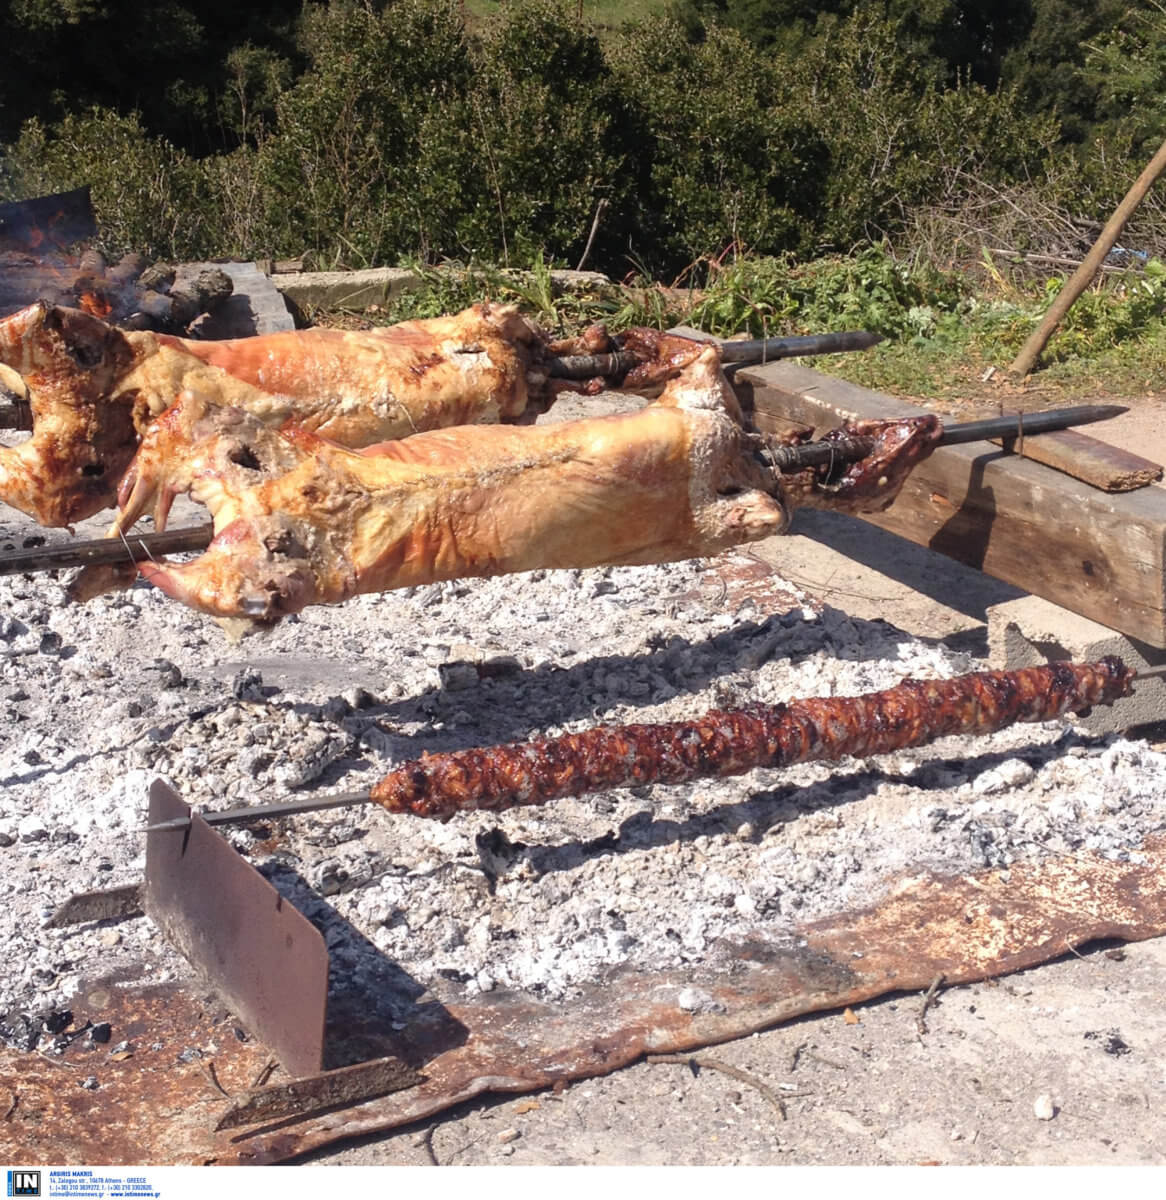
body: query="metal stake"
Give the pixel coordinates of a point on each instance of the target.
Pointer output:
(137, 547)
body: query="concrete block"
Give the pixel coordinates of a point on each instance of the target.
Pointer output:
(254, 307)
(360, 289)
(345, 289)
(1030, 632)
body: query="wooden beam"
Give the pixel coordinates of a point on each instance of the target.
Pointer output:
(1094, 553)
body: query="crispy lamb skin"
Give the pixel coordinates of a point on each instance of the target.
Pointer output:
(299, 521)
(94, 390)
(84, 434)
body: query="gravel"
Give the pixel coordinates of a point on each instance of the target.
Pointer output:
(101, 700)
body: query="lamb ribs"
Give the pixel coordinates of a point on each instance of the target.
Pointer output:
(913, 713)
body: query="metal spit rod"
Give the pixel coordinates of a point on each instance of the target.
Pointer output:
(1010, 428)
(755, 350)
(266, 812)
(139, 547)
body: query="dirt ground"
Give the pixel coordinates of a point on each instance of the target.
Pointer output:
(1085, 1032)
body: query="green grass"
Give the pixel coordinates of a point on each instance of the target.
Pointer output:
(941, 333)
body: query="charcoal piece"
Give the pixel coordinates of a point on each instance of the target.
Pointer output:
(56, 1020)
(19, 1030)
(154, 310)
(184, 307)
(157, 278)
(126, 270)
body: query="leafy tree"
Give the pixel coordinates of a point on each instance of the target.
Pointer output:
(890, 145)
(542, 138)
(947, 39)
(166, 59)
(148, 195)
(1125, 69)
(1044, 68)
(340, 172)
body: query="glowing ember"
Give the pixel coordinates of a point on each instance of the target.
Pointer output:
(95, 304)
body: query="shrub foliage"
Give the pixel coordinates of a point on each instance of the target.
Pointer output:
(386, 131)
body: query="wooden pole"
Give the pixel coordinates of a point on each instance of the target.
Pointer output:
(1083, 276)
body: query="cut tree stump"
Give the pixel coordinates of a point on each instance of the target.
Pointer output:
(1092, 552)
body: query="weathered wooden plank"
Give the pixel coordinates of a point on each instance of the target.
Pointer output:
(1086, 458)
(1092, 552)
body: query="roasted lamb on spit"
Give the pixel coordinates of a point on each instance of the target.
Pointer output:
(93, 389)
(300, 521)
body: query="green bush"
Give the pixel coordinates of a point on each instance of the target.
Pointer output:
(540, 141)
(340, 174)
(870, 290)
(718, 155)
(407, 135)
(891, 144)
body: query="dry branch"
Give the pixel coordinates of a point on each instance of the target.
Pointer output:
(1083, 276)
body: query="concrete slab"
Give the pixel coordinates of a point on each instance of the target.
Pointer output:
(345, 289)
(377, 285)
(1029, 631)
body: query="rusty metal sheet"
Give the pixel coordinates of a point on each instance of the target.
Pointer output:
(156, 1108)
(738, 576)
(47, 223)
(268, 961)
(104, 905)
